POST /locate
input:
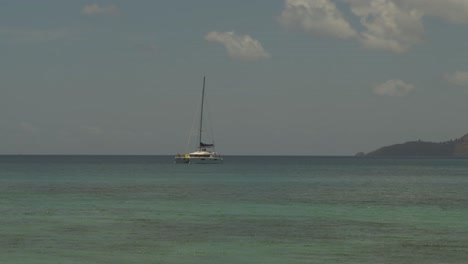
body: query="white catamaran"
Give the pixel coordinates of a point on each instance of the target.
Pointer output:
(205, 153)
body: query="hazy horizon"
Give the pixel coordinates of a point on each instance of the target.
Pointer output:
(284, 77)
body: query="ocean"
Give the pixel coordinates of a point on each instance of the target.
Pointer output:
(251, 209)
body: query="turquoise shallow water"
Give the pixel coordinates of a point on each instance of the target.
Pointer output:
(144, 209)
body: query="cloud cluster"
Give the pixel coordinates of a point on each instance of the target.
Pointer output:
(241, 47)
(387, 26)
(393, 88)
(321, 16)
(459, 78)
(95, 9)
(392, 25)
(454, 11)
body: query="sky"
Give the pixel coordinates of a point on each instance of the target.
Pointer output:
(284, 77)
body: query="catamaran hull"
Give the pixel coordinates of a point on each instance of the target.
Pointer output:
(210, 160)
(206, 160)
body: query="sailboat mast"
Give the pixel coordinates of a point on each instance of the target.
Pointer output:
(201, 114)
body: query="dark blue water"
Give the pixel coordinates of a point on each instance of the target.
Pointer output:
(256, 209)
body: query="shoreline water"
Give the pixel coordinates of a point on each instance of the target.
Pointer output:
(301, 209)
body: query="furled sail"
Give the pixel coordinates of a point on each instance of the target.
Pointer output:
(206, 145)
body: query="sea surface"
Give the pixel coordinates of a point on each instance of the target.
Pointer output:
(251, 209)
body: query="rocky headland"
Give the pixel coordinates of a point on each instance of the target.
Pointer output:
(452, 148)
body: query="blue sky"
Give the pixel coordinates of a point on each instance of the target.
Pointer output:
(295, 77)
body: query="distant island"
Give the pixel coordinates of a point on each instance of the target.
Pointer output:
(452, 148)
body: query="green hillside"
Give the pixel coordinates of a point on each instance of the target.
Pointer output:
(452, 148)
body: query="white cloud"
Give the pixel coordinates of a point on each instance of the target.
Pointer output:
(95, 9)
(239, 46)
(392, 25)
(387, 25)
(393, 88)
(459, 78)
(319, 16)
(455, 11)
